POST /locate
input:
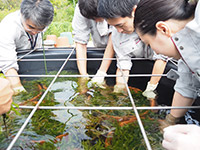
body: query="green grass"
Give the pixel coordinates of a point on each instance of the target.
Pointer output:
(63, 14)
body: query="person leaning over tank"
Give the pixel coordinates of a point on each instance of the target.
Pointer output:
(86, 22)
(5, 96)
(22, 29)
(172, 28)
(127, 43)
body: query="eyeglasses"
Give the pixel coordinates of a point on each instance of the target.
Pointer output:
(30, 28)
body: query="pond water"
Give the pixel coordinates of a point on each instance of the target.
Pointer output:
(79, 129)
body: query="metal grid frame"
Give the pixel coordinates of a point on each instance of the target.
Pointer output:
(37, 106)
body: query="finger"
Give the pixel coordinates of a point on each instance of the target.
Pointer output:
(168, 145)
(169, 136)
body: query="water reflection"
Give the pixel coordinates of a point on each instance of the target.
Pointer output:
(79, 129)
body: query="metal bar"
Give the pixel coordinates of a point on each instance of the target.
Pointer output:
(88, 108)
(72, 59)
(168, 107)
(173, 61)
(108, 108)
(17, 59)
(65, 76)
(136, 112)
(46, 49)
(59, 49)
(37, 105)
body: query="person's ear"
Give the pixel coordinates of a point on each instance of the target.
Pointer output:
(134, 9)
(164, 28)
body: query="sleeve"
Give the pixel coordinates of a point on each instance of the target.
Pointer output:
(81, 28)
(124, 62)
(8, 54)
(186, 84)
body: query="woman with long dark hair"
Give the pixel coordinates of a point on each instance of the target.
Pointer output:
(172, 28)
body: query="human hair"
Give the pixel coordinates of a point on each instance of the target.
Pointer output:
(88, 8)
(116, 8)
(40, 12)
(149, 12)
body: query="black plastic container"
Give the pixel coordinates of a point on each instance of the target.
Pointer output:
(164, 89)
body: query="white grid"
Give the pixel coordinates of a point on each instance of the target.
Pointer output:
(37, 106)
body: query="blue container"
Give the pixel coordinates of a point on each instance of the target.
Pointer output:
(68, 35)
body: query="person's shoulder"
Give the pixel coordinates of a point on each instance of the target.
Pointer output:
(12, 16)
(77, 8)
(78, 18)
(11, 24)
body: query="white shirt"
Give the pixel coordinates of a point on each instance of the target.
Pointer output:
(188, 45)
(13, 37)
(127, 46)
(83, 28)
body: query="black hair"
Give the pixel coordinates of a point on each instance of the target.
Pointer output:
(40, 12)
(88, 8)
(116, 8)
(149, 12)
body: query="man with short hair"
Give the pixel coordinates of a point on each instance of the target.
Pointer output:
(86, 22)
(22, 29)
(127, 44)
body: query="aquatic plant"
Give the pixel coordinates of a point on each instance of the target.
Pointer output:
(79, 129)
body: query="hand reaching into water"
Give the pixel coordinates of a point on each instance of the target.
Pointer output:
(150, 93)
(120, 88)
(98, 79)
(82, 85)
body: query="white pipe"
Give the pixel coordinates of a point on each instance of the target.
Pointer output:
(72, 59)
(109, 108)
(37, 105)
(75, 76)
(135, 110)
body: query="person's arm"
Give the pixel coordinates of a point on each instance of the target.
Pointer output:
(180, 100)
(9, 39)
(120, 86)
(120, 80)
(184, 95)
(81, 53)
(109, 53)
(181, 137)
(5, 96)
(105, 64)
(15, 81)
(158, 68)
(176, 114)
(81, 31)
